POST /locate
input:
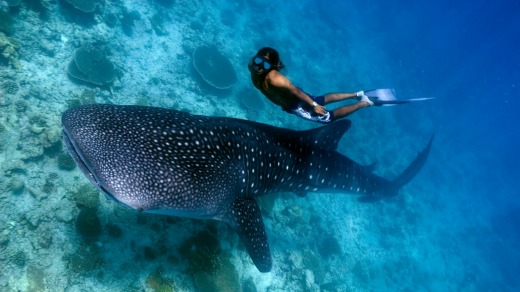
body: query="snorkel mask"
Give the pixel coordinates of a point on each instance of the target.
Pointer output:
(263, 65)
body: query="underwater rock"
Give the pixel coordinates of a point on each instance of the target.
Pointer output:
(9, 51)
(214, 67)
(91, 65)
(84, 5)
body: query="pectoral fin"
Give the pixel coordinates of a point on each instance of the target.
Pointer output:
(244, 216)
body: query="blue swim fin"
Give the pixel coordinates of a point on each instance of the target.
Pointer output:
(386, 97)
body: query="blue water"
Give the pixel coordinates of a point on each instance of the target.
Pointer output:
(453, 228)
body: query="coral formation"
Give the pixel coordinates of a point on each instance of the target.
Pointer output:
(157, 22)
(113, 230)
(35, 279)
(249, 285)
(88, 224)
(5, 22)
(9, 51)
(329, 246)
(86, 196)
(224, 278)
(91, 65)
(128, 20)
(65, 162)
(13, 2)
(86, 259)
(214, 67)
(44, 238)
(19, 258)
(10, 87)
(157, 282)
(201, 251)
(84, 5)
(251, 100)
(17, 186)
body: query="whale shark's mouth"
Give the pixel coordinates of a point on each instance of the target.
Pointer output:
(85, 167)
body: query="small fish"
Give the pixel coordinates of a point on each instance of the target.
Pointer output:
(174, 163)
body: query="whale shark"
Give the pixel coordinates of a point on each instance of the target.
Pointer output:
(175, 163)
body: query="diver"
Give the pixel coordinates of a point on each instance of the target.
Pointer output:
(265, 75)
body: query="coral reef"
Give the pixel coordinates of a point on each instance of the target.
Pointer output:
(84, 5)
(92, 66)
(214, 67)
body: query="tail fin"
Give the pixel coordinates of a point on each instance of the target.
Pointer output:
(392, 187)
(411, 171)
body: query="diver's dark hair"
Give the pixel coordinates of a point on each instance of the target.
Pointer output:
(272, 54)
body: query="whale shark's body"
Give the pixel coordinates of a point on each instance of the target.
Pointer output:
(174, 163)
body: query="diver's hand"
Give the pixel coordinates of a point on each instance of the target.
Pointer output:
(320, 110)
(360, 94)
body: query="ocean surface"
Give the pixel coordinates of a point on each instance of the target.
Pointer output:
(454, 227)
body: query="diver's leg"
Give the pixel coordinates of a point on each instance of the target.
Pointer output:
(334, 97)
(344, 111)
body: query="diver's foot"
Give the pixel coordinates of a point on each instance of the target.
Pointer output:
(367, 100)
